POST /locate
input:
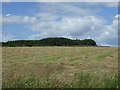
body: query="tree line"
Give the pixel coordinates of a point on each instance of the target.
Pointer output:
(53, 41)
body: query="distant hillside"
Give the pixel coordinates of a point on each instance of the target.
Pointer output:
(53, 41)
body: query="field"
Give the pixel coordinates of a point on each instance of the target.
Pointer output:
(60, 67)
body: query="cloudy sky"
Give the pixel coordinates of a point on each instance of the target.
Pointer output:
(75, 20)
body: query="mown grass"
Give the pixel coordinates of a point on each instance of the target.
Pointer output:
(79, 81)
(60, 67)
(103, 56)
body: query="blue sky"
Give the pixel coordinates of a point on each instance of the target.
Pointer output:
(37, 20)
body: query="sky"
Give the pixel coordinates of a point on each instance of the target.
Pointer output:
(74, 20)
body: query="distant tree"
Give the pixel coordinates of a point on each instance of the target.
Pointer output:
(53, 41)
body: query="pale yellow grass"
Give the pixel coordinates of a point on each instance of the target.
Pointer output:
(62, 63)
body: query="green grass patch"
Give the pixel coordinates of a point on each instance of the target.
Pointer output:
(54, 58)
(74, 58)
(104, 55)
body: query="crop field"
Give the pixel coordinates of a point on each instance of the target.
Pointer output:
(60, 67)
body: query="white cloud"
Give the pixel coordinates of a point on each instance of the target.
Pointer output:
(7, 37)
(65, 9)
(15, 19)
(106, 4)
(8, 15)
(111, 4)
(34, 37)
(82, 27)
(6, 0)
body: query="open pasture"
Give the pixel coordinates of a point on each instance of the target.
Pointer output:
(57, 67)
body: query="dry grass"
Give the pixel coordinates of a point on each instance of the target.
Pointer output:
(59, 66)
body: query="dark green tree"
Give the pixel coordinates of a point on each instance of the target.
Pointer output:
(53, 41)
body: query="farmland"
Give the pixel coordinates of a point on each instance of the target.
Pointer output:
(57, 67)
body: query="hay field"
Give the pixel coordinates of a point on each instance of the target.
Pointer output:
(60, 67)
